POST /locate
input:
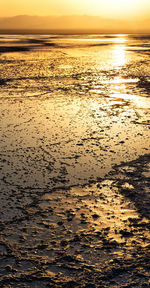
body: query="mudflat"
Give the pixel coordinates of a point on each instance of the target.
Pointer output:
(74, 161)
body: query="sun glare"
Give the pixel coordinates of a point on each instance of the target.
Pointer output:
(124, 3)
(122, 8)
(119, 56)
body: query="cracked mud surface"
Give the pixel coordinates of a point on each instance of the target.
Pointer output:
(74, 162)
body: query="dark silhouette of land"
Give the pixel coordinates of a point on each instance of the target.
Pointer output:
(71, 24)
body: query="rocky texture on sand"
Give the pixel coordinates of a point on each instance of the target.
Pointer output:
(96, 235)
(74, 163)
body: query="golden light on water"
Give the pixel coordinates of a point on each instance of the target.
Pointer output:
(119, 55)
(74, 164)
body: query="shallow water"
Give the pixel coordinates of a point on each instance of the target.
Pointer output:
(73, 108)
(72, 102)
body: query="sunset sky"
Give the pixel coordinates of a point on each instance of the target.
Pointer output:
(104, 8)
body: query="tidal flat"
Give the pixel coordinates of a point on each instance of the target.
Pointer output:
(74, 161)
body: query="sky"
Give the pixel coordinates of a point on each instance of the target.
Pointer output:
(116, 9)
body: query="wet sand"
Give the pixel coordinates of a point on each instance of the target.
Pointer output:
(74, 162)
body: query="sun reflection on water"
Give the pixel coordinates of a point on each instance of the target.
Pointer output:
(119, 57)
(118, 62)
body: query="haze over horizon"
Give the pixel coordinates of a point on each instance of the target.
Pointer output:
(116, 9)
(74, 22)
(113, 15)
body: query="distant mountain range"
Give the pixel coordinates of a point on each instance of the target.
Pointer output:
(74, 22)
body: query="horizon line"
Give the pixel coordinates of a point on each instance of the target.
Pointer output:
(80, 15)
(68, 31)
